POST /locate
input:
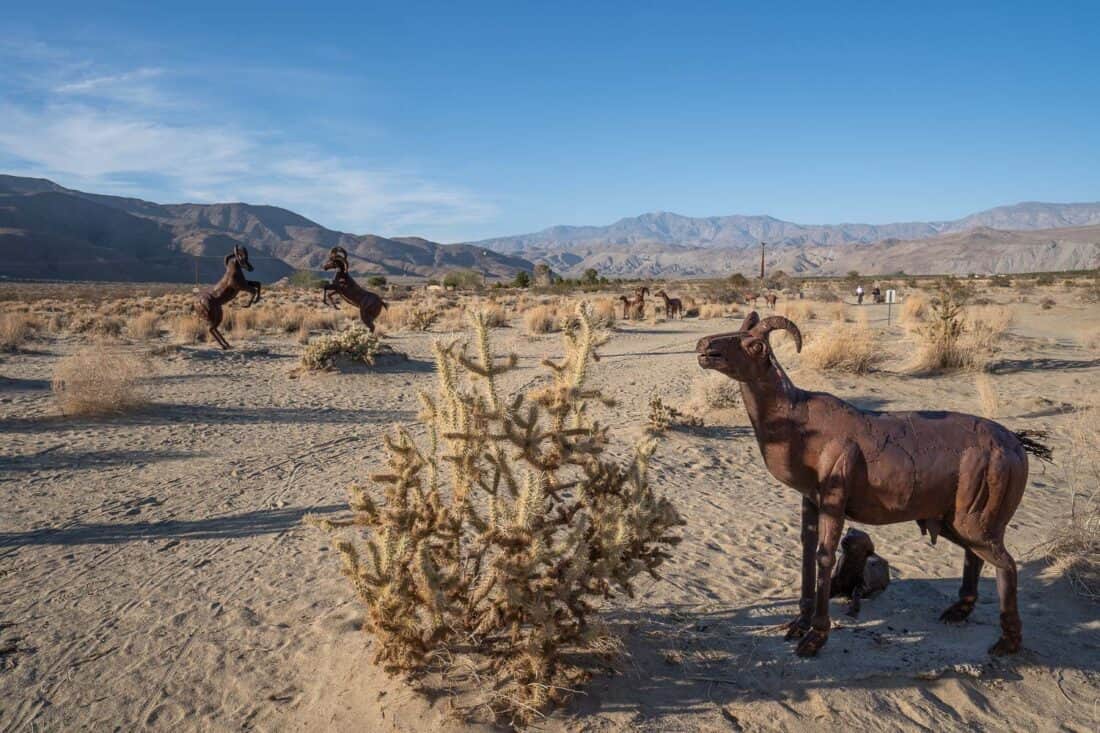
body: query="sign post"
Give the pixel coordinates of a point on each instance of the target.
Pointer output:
(891, 296)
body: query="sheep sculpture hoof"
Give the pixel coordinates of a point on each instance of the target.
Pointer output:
(796, 629)
(811, 643)
(958, 611)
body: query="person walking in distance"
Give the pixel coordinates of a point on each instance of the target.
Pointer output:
(859, 294)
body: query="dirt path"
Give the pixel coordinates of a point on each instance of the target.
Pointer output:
(156, 574)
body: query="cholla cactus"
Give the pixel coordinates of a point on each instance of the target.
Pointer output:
(356, 343)
(500, 529)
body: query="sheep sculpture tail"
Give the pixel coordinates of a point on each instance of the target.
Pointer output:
(1028, 439)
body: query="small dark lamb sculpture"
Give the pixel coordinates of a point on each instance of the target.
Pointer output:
(369, 304)
(673, 306)
(957, 475)
(209, 303)
(859, 572)
(770, 299)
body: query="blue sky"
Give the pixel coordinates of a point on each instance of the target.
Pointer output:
(458, 121)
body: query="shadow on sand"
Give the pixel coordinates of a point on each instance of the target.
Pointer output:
(684, 660)
(247, 524)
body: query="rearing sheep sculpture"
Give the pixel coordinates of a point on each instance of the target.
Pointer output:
(957, 475)
(209, 303)
(344, 285)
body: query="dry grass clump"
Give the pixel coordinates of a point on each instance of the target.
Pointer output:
(356, 344)
(987, 396)
(708, 311)
(144, 327)
(798, 311)
(1074, 549)
(15, 330)
(604, 313)
(952, 339)
(914, 310)
(96, 325)
(96, 382)
(713, 391)
(662, 417)
(837, 312)
(409, 316)
(844, 347)
(542, 319)
(189, 329)
(501, 533)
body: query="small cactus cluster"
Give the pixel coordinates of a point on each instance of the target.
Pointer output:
(662, 417)
(356, 344)
(500, 531)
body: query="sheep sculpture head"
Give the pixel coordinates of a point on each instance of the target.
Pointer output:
(240, 254)
(745, 355)
(337, 259)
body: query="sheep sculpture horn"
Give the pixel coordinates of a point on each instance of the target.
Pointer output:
(778, 323)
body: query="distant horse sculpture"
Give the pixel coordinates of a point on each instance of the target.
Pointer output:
(956, 475)
(344, 285)
(233, 282)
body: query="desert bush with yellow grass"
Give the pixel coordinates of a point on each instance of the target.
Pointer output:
(189, 329)
(708, 311)
(500, 534)
(355, 344)
(144, 326)
(713, 391)
(914, 310)
(604, 313)
(1074, 548)
(799, 311)
(953, 339)
(16, 329)
(843, 347)
(542, 319)
(95, 381)
(409, 316)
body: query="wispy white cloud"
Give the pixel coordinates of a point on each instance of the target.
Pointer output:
(120, 132)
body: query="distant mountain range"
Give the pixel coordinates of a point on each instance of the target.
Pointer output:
(48, 231)
(1024, 237)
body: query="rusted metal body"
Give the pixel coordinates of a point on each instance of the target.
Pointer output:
(956, 475)
(343, 284)
(233, 282)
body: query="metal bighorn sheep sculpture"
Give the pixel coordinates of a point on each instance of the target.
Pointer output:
(233, 282)
(673, 306)
(369, 304)
(956, 475)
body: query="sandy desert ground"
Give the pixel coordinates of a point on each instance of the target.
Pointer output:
(155, 572)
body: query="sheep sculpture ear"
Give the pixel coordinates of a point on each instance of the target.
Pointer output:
(750, 321)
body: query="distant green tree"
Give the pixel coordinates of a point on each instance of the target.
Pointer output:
(738, 280)
(522, 279)
(590, 277)
(306, 279)
(463, 280)
(376, 280)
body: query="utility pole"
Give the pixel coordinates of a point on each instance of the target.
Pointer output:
(761, 262)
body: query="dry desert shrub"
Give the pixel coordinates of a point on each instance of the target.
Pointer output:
(189, 329)
(356, 344)
(495, 315)
(96, 325)
(15, 330)
(708, 311)
(987, 396)
(604, 313)
(409, 316)
(144, 327)
(953, 339)
(837, 312)
(662, 417)
(97, 382)
(1074, 549)
(798, 311)
(541, 319)
(501, 532)
(714, 391)
(844, 347)
(914, 311)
